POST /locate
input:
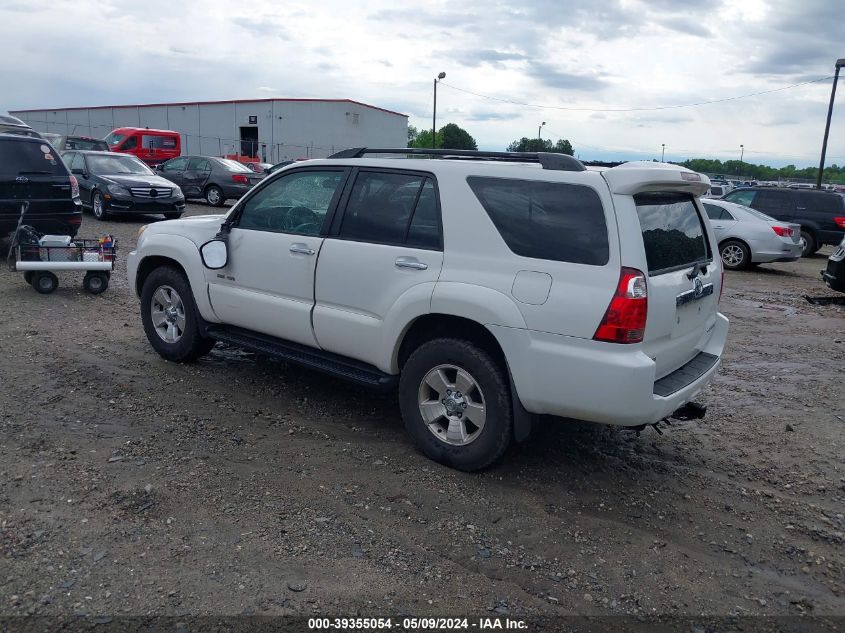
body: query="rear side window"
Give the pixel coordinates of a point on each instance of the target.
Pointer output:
(716, 213)
(673, 233)
(151, 141)
(741, 197)
(821, 202)
(546, 220)
(392, 208)
(20, 158)
(778, 202)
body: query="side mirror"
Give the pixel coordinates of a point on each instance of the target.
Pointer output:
(215, 254)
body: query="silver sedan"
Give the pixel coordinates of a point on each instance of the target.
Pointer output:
(748, 237)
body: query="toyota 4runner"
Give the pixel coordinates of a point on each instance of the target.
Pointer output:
(489, 287)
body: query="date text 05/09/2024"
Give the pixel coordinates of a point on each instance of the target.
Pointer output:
(416, 624)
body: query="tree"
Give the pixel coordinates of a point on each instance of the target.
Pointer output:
(454, 137)
(526, 144)
(412, 135)
(422, 139)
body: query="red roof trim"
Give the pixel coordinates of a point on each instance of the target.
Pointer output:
(193, 103)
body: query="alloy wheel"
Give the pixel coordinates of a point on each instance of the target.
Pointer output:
(732, 255)
(452, 405)
(168, 314)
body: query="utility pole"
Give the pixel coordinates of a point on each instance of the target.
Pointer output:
(741, 155)
(839, 64)
(434, 112)
(662, 152)
(539, 130)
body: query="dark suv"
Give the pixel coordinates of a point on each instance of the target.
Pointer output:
(821, 214)
(31, 170)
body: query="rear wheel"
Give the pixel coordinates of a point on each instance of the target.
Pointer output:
(95, 282)
(456, 403)
(169, 315)
(735, 255)
(808, 244)
(214, 196)
(45, 282)
(98, 206)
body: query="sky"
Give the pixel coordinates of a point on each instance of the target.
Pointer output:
(605, 74)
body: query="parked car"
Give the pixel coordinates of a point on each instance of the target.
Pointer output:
(215, 179)
(834, 274)
(112, 183)
(13, 125)
(717, 191)
(486, 291)
(821, 214)
(151, 146)
(746, 236)
(64, 143)
(278, 166)
(259, 168)
(30, 170)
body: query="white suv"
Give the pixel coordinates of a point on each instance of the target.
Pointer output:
(489, 286)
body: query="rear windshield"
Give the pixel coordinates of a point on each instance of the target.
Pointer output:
(546, 220)
(25, 157)
(673, 233)
(86, 143)
(233, 165)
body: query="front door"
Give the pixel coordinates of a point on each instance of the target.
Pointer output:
(268, 283)
(174, 170)
(382, 257)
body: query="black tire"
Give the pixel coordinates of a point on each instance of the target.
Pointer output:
(190, 345)
(173, 216)
(45, 282)
(735, 255)
(493, 439)
(809, 244)
(95, 282)
(214, 196)
(99, 202)
(27, 276)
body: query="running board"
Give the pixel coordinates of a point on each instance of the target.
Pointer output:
(319, 360)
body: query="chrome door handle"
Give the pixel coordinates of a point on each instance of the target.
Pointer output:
(410, 262)
(718, 226)
(302, 249)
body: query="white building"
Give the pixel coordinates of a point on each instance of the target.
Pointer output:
(277, 129)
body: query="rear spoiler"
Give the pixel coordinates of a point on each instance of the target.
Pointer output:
(641, 176)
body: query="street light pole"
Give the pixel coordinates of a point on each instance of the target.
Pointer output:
(434, 112)
(839, 64)
(662, 152)
(539, 129)
(741, 155)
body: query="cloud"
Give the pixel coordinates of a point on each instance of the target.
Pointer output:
(477, 57)
(262, 27)
(551, 77)
(480, 115)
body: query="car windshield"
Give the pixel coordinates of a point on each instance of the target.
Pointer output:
(115, 139)
(117, 164)
(233, 165)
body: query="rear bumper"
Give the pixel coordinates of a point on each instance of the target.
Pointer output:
(778, 252)
(600, 382)
(49, 224)
(235, 191)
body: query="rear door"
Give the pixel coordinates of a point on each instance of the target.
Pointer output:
(683, 278)
(385, 251)
(195, 176)
(777, 203)
(823, 209)
(721, 220)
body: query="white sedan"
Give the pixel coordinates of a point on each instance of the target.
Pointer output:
(747, 237)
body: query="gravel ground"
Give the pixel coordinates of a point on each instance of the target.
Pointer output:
(133, 486)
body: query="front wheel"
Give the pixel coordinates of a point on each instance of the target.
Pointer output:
(735, 255)
(456, 403)
(214, 196)
(98, 206)
(170, 318)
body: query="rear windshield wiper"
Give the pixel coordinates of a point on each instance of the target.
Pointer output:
(698, 266)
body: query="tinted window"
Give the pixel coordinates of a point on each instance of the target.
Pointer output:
(151, 141)
(546, 220)
(673, 234)
(380, 207)
(199, 164)
(821, 202)
(26, 157)
(86, 143)
(295, 203)
(774, 202)
(741, 197)
(714, 212)
(425, 224)
(716, 191)
(78, 162)
(131, 143)
(177, 164)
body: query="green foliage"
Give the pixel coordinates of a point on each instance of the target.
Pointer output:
(452, 136)
(526, 144)
(749, 171)
(422, 139)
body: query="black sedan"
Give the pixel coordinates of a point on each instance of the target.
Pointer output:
(209, 177)
(111, 183)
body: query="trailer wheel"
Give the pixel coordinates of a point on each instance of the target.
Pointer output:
(45, 282)
(95, 282)
(27, 277)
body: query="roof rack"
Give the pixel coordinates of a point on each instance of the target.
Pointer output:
(548, 160)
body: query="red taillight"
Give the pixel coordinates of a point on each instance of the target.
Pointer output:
(840, 222)
(783, 231)
(624, 320)
(241, 179)
(74, 187)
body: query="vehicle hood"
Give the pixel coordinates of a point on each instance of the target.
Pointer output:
(128, 180)
(197, 228)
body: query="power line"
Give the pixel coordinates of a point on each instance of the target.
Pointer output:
(651, 109)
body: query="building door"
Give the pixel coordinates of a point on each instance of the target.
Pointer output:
(249, 141)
